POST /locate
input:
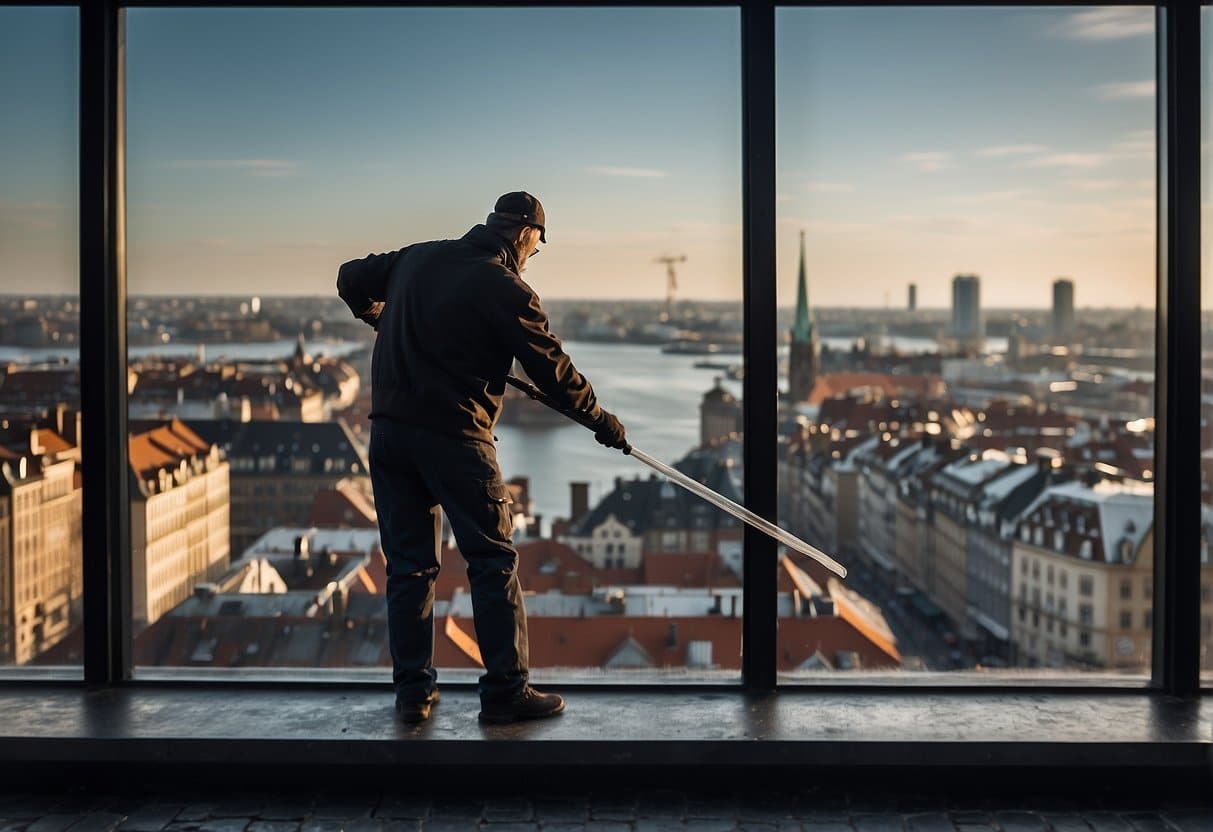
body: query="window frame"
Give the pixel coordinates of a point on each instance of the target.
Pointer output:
(1176, 632)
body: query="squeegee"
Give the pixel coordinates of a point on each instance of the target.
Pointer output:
(695, 487)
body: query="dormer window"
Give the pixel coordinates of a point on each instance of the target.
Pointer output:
(1126, 551)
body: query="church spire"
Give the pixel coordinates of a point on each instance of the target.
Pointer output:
(802, 357)
(802, 330)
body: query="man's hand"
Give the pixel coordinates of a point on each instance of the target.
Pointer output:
(610, 432)
(371, 314)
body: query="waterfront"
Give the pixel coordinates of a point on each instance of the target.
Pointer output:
(656, 395)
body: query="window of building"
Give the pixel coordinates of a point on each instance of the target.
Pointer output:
(1126, 588)
(1126, 620)
(1086, 586)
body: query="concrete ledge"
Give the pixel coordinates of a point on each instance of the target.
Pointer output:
(260, 726)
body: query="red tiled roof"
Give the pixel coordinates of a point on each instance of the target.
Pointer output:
(343, 506)
(837, 384)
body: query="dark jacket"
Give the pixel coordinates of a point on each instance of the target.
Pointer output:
(455, 316)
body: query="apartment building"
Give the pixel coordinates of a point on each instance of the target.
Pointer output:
(179, 517)
(1082, 571)
(41, 571)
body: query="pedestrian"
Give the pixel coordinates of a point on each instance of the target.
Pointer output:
(451, 317)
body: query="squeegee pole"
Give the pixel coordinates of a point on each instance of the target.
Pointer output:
(699, 489)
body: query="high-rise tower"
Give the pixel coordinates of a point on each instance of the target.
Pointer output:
(968, 328)
(1063, 308)
(802, 362)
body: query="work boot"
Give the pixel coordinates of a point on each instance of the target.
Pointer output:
(416, 710)
(528, 703)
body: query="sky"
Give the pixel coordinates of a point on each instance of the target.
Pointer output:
(266, 147)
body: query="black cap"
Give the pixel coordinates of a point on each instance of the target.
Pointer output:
(521, 207)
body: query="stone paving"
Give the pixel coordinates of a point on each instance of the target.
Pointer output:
(79, 809)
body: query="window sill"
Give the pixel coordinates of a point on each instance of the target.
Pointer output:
(232, 726)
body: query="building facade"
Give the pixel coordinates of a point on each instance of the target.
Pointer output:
(1082, 569)
(41, 571)
(180, 534)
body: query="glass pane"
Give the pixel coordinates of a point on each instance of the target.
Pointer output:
(267, 148)
(41, 579)
(1206, 251)
(966, 250)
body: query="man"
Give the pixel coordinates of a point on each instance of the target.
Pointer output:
(452, 315)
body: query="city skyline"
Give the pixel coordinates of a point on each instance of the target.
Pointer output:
(262, 171)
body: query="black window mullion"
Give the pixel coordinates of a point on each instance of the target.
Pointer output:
(759, 399)
(106, 517)
(1176, 601)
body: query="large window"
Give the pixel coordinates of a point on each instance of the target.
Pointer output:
(966, 243)
(41, 584)
(965, 248)
(265, 148)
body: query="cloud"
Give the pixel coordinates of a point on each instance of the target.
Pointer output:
(828, 187)
(1011, 150)
(1107, 24)
(996, 196)
(935, 223)
(826, 227)
(1094, 184)
(630, 173)
(255, 167)
(1136, 143)
(1082, 161)
(1126, 89)
(929, 161)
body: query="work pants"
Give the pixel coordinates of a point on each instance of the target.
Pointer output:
(415, 472)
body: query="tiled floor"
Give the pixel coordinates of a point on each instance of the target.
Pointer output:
(212, 809)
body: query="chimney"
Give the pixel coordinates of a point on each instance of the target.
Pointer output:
(35, 447)
(579, 499)
(671, 640)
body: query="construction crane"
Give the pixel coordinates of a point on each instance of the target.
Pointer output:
(671, 282)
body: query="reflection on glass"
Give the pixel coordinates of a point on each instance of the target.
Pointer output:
(966, 249)
(262, 154)
(41, 601)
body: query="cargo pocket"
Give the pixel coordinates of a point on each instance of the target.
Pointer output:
(499, 501)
